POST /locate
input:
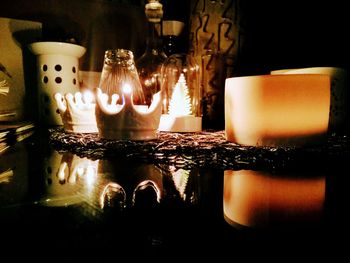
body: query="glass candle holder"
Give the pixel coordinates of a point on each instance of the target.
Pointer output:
(119, 69)
(181, 104)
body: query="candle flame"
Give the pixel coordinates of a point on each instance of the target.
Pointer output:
(180, 102)
(127, 88)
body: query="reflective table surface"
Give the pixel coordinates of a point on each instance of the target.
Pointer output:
(80, 208)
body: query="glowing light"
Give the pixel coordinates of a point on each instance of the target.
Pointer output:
(90, 177)
(127, 88)
(127, 121)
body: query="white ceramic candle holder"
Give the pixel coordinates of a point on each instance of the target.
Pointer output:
(127, 121)
(77, 112)
(277, 110)
(58, 67)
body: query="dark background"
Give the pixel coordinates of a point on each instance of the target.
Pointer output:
(292, 34)
(273, 34)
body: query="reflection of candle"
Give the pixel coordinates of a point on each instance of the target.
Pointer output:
(255, 198)
(72, 179)
(180, 117)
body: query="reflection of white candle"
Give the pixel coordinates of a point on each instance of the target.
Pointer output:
(180, 117)
(256, 198)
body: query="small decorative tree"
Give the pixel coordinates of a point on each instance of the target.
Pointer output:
(180, 103)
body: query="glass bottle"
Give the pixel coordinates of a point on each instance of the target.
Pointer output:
(119, 71)
(150, 63)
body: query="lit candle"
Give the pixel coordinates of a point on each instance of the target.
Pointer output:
(127, 92)
(127, 121)
(180, 117)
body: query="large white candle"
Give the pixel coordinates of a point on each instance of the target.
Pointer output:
(277, 110)
(340, 94)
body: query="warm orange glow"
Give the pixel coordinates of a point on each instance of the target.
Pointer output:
(339, 96)
(277, 109)
(255, 198)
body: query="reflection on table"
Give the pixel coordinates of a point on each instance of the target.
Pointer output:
(261, 199)
(112, 183)
(13, 175)
(69, 179)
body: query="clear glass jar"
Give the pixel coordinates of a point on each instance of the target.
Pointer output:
(118, 71)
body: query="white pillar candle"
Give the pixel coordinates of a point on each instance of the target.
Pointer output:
(339, 110)
(277, 110)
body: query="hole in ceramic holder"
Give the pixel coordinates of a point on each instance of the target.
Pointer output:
(58, 80)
